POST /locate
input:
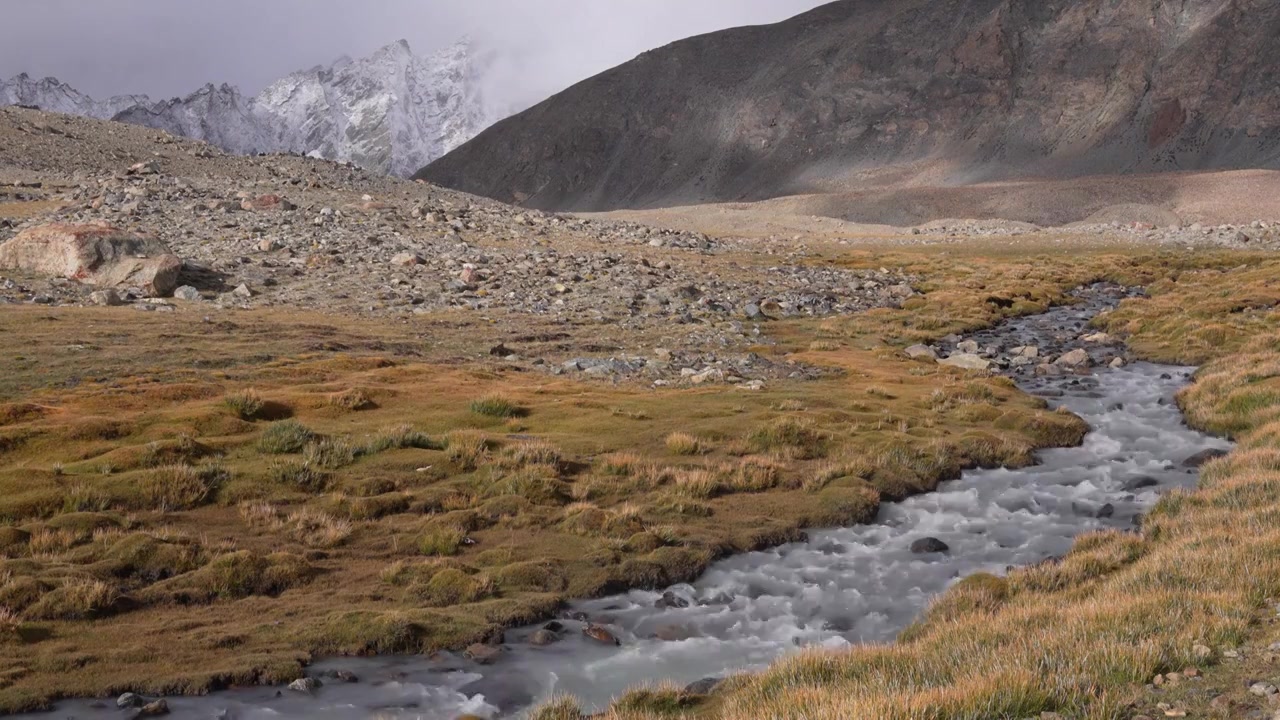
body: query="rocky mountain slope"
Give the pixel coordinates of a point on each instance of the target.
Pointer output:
(391, 112)
(867, 93)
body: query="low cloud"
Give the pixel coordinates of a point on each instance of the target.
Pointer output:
(166, 48)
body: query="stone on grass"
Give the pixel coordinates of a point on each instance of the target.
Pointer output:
(99, 255)
(916, 352)
(966, 361)
(188, 293)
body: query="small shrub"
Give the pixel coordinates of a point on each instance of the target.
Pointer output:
(244, 404)
(680, 443)
(496, 406)
(285, 437)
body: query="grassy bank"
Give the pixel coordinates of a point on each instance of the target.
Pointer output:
(264, 486)
(1081, 637)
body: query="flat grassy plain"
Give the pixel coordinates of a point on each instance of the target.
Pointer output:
(1084, 636)
(202, 498)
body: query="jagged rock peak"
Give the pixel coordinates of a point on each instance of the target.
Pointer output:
(390, 112)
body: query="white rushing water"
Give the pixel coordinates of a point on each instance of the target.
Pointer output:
(842, 586)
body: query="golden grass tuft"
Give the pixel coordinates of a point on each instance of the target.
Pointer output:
(680, 443)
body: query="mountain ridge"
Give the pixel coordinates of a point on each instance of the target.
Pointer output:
(849, 95)
(389, 112)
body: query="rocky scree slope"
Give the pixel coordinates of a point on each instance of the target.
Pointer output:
(889, 92)
(619, 300)
(391, 112)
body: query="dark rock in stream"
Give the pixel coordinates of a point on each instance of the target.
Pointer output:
(543, 638)
(926, 546)
(1199, 459)
(670, 600)
(705, 686)
(1140, 482)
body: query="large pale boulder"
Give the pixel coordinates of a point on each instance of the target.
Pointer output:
(99, 255)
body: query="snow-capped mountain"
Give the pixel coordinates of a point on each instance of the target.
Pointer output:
(391, 112)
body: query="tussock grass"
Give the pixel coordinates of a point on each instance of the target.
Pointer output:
(244, 404)
(182, 487)
(350, 400)
(496, 406)
(467, 448)
(318, 530)
(300, 475)
(285, 438)
(441, 540)
(680, 443)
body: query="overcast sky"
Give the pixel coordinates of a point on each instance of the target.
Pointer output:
(170, 47)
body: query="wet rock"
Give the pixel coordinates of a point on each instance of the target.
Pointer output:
(1201, 458)
(305, 684)
(925, 546)
(345, 676)
(1106, 511)
(154, 709)
(553, 626)
(99, 255)
(482, 654)
(705, 686)
(1078, 358)
(670, 600)
(543, 638)
(1140, 482)
(130, 700)
(600, 635)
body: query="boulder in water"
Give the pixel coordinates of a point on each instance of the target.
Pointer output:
(543, 638)
(925, 546)
(305, 684)
(1202, 457)
(482, 654)
(154, 709)
(1140, 482)
(600, 635)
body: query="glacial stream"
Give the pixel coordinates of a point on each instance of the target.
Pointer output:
(842, 586)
